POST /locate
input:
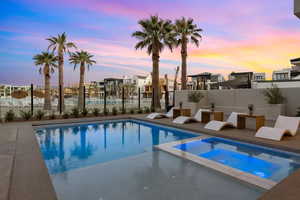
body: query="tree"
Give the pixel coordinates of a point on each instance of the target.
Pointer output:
(83, 59)
(49, 62)
(60, 45)
(155, 35)
(187, 32)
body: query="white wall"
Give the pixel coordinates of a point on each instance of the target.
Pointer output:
(239, 99)
(279, 84)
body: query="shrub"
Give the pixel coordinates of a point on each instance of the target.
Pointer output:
(273, 95)
(132, 110)
(105, 112)
(114, 111)
(195, 97)
(75, 112)
(85, 112)
(123, 111)
(66, 115)
(10, 116)
(52, 115)
(39, 114)
(140, 111)
(96, 111)
(26, 115)
(147, 110)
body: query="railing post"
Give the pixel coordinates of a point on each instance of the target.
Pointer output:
(174, 98)
(166, 98)
(31, 95)
(139, 98)
(123, 100)
(60, 99)
(84, 97)
(104, 99)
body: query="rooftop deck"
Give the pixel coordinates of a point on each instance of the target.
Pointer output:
(23, 174)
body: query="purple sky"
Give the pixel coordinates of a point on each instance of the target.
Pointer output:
(239, 35)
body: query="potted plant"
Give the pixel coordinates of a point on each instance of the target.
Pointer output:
(251, 109)
(180, 104)
(194, 99)
(212, 107)
(275, 100)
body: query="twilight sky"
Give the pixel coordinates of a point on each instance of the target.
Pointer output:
(239, 35)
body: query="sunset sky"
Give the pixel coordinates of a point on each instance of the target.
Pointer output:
(239, 35)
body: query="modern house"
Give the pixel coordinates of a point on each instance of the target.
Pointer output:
(205, 81)
(285, 78)
(259, 76)
(113, 86)
(297, 8)
(6, 90)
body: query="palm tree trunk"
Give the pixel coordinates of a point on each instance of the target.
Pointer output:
(183, 64)
(61, 80)
(47, 98)
(155, 81)
(81, 85)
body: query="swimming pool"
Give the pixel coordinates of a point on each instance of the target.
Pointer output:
(263, 162)
(118, 160)
(74, 146)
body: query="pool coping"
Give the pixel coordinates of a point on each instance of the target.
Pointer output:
(235, 173)
(34, 182)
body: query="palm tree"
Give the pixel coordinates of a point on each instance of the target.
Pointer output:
(61, 46)
(84, 59)
(49, 62)
(155, 34)
(187, 32)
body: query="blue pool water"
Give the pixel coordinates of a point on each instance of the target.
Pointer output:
(263, 162)
(75, 146)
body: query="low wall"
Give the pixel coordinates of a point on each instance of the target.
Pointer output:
(239, 99)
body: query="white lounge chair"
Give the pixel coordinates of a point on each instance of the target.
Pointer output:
(161, 115)
(284, 125)
(218, 125)
(184, 119)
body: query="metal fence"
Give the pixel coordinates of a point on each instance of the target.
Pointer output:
(33, 101)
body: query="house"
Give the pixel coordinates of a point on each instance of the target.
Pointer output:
(238, 80)
(297, 8)
(6, 90)
(259, 76)
(285, 78)
(113, 86)
(204, 81)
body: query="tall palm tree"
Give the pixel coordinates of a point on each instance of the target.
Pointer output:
(155, 34)
(60, 45)
(49, 62)
(83, 59)
(187, 32)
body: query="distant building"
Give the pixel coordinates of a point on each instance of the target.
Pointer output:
(6, 90)
(297, 8)
(113, 86)
(204, 81)
(259, 76)
(292, 73)
(237, 75)
(285, 78)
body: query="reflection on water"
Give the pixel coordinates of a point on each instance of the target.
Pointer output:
(72, 147)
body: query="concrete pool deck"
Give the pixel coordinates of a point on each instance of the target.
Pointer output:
(23, 174)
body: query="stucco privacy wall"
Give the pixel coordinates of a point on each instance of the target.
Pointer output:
(239, 99)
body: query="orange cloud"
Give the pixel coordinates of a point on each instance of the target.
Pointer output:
(262, 54)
